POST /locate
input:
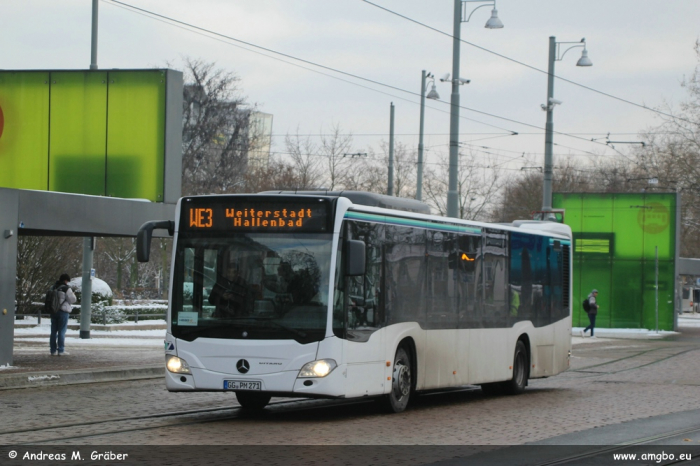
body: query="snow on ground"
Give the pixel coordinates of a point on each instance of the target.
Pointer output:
(95, 340)
(41, 333)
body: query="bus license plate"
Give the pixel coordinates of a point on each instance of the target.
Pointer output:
(242, 385)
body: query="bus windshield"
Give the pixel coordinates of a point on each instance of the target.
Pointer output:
(251, 286)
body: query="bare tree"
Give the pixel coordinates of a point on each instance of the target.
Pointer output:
(334, 150)
(119, 253)
(479, 180)
(376, 175)
(305, 160)
(217, 131)
(40, 261)
(276, 175)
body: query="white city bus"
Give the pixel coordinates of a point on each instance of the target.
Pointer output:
(350, 294)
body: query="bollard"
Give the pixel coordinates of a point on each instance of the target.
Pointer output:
(137, 316)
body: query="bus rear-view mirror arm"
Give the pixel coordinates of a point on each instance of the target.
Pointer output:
(143, 237)
(354, 258)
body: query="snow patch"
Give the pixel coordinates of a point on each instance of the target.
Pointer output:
(40, 378)
(98, 286)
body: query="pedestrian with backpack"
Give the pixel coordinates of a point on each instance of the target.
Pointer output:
(58, 302)
(592, 310)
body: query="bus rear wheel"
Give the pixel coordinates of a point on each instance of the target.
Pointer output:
(401, 383)
(252, 401)
(521, 364)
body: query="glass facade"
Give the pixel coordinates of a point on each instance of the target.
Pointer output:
(85, 132)
(616, 237)
(24, 141)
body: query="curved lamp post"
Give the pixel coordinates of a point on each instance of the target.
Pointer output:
(555, 54)
(460, 13)
(434, 96)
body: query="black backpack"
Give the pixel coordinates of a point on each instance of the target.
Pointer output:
(586, 305)
(52, 301)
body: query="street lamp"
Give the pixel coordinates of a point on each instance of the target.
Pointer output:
(555, 54)
(460, 13)
(434, 96)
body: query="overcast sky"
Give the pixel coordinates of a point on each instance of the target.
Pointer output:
(641, 50)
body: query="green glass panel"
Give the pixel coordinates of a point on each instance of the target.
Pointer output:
(597, 212)
(614, 245)
(571, 203)
(666, 283)
(135, 134)
(78, 132)
(627, 294)
(596, 275)
(24, 136)
(628, 233)
(578, 315)
(657, 222)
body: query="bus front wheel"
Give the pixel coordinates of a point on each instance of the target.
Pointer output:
(401, 382)
(521, 365)
(252, 401)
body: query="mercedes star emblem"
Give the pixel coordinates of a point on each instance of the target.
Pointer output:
(243, 366)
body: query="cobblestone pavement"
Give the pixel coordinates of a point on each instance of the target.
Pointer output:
(610, 382)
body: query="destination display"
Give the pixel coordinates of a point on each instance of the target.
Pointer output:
(255, 214)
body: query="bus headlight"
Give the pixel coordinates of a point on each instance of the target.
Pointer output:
(176, 365)
(319, 368)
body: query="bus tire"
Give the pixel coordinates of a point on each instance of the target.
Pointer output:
(252, 401)
(521, 364)
(401, 382)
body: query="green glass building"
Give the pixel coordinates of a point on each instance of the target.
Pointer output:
(616, 240)
(110, 133)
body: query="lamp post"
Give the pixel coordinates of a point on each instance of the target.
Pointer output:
(434, 96)
(460, 10)
(555, 54)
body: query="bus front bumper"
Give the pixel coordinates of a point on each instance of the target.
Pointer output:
(284, 383)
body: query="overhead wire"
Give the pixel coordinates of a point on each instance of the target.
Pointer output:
(209, 33)
(527, 65)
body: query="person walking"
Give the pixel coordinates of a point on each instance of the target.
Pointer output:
(59, 319)
(592, 312)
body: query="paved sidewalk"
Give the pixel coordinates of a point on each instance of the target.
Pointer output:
(133, 352)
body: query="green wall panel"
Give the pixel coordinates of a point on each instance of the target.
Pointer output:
(658, 228)
(615, 238)
(77, 152)
(627, 297)
(666, 287)
(630, 244)
(596, 214)
(136, 141)
(91, 132)
(595, 275)
(24, 142)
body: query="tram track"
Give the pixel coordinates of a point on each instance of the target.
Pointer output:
(586, 370)
(609, 451)
(171, 419)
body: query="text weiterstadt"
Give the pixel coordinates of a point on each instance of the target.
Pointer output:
(252, 218)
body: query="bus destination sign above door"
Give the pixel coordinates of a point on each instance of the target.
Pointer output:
(247, 213)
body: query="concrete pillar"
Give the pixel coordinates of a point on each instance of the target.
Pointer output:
(9, 220)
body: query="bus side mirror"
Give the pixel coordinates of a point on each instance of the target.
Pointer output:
(354, 258)
(143, 237)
